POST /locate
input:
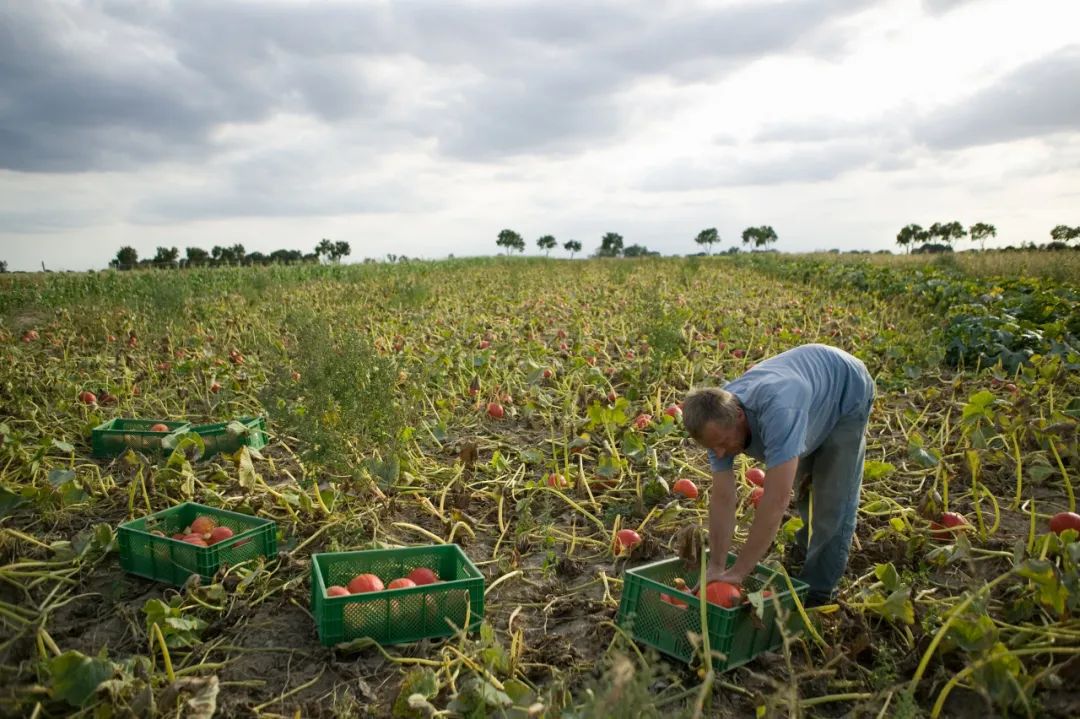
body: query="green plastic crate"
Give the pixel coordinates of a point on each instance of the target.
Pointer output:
(116, 436)
(395, 616)
(732, 632)
(220, 436)
(170, 560)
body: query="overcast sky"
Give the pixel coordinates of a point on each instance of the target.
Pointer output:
(423, 128)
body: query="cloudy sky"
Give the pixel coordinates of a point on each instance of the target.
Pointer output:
(424, 127)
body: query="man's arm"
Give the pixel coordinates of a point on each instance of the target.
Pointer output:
(767, 518)
(722, 503)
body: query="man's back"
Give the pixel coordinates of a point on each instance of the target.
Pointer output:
(793, 400)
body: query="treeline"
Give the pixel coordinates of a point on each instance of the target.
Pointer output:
(127, 258)
(940, 236)
(611, 244)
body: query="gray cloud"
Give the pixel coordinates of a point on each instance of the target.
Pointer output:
(121, 84)
(940, 7)
(38, 221)
(280, 183)
(1039, 99)
(821, 130)
(818, 163)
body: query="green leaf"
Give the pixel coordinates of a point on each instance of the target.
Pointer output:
(385, 473)
(184, 624)
(973, 634)
(633, 446)
(655, 491)
(439, 431)
(60, 477)
(519, 692)
(531, 456)
(156, 611)
(420, 681)
(978, 402)
(1039, 472)
(608, 466)
(487, 634)
(63, 446)
(213, 592)
(790, 529)
(498, 462)
(1002, 678)
(920, 455)
(898, 606)
(874, 470)
(1050, 592)
(666, 426)
(75, 676)
(477, 697)
(179, 443)
(72, 493)
(887, 575)
(9, 501)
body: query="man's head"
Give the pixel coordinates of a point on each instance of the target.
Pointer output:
(714, 419)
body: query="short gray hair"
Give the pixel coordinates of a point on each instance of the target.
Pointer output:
(709, 404)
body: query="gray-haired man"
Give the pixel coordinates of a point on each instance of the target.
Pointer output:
(804, 413)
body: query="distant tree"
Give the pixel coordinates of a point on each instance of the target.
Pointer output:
(708, 238)
(511, 241)
(3, 266)
(910, 235)
(980, 231)
(946, 232)
(572, 246)
(759, 236)
(611, 245)
(166, 256)
(546, 243)
(639, 251)
(197, 256)
(341, 249)
(1064, 233)
(325, 249)
(733, 250)
(125, 259)
(932, 248)
(766, 236)
(286, 257)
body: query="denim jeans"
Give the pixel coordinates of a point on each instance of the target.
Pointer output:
(832, 474)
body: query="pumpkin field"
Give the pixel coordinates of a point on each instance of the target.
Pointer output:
(527, 411)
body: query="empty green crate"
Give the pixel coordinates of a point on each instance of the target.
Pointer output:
(224, 437)
(119, 435)
(170, 560)
(394, 616)
(734, 632)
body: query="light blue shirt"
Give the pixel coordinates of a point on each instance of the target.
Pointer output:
(793, 401)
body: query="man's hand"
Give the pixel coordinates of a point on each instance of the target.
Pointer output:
(767, 517)
(717, 572)
(728, 575)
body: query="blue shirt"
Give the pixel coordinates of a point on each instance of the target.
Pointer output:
(794, 400)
